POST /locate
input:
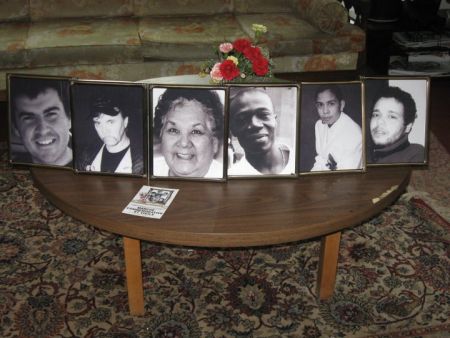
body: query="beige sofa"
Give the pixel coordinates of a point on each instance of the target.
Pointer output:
(136, 39)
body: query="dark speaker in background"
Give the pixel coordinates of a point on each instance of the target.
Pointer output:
(385, 10)
(422, 13)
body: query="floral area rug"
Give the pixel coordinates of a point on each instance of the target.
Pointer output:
(62, 278)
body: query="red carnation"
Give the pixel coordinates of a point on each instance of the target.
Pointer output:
(241, 44)
(229, 70)
(260, 66)
(252, 53)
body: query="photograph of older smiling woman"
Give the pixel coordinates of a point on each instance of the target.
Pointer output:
(188, 132)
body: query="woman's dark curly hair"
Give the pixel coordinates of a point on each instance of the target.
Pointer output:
(208, 98)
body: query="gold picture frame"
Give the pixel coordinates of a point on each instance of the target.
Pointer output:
(187, 135)
(39, 121)
(110, 127)
(332, 137)
(397, 120)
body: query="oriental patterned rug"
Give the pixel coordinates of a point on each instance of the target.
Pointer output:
(62, 278)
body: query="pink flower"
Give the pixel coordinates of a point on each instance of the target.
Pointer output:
(215, 73)
(226, 47)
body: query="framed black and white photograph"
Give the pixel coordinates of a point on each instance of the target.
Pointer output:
(397, 120)
(331, 133)
(262, 130)
(188, 132)
(109, 126)
(40, 121)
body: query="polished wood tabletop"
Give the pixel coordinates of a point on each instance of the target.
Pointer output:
(236, 213)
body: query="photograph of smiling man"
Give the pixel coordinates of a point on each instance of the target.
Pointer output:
(39, 115)
(331, 135)
(263, 130)
(396, 115)
(188, 132)
(109, 125)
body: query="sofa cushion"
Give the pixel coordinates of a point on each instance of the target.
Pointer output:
(316, 63)
(14, 10)
(262, 6)
(327, 15)
(289, 35)
(74, 41)
(132, 48)
(184, 38)
(181, 7)
(357, 36)
(52, 9)
(146, 70)
(12, 44)
(349, 39)
(115, 72)
(280, 26)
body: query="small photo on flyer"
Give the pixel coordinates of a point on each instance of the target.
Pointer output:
(151, 202)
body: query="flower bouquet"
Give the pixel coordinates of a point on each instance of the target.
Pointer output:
(240, 60)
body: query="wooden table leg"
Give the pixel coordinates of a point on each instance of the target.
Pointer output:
(329, 253)
(133, 272)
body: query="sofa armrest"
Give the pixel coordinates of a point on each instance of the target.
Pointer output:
(327, 15)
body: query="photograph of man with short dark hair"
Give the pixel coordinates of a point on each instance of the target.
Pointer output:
(109, 128)
(396, 115)
(40, 123)
(330, 127)
(263, 130)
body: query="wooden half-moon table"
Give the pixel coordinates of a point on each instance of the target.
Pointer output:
(236, 213)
